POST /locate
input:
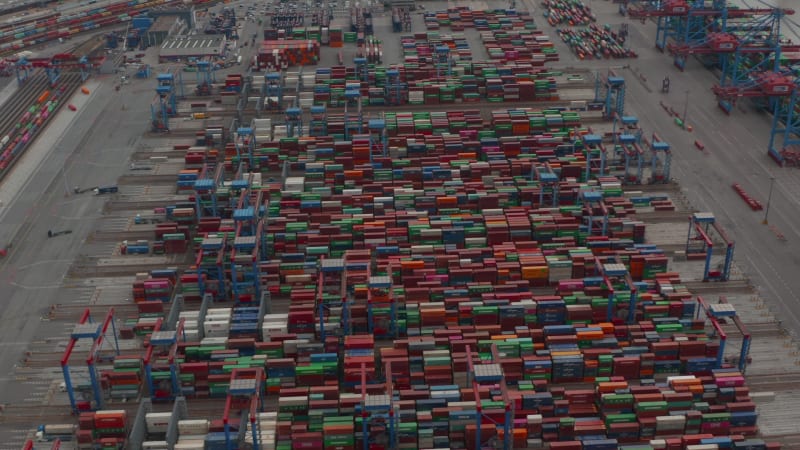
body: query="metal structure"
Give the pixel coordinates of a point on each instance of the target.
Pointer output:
(595, 213)
(205, 191)
(205, 78)
(378, 140)
(595, 155)
(88, 329)
(490, 375)
(769, 85)
(333, 302)
(700, 245)
(381, 306)
(210, 266)
(722, 311)
(163, 384)
(621, 287)
(394, 88)
(246, 398)
(53, 67)
(165, 104)
(294, 122)
(784, 139)
(273, 91)
(362, 69)
(249, 245)
(548, 182)
(352, 125)
(610, 91)
(660, 158)
(318, 126)
(444, 63)
(379, 412)
(245, 142)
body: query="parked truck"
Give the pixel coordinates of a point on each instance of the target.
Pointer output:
(53, 432)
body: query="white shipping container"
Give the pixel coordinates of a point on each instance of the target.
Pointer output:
(157, 422)
(216, 333)
(192, 427)
(214, 341)
(190, 445)
(192, 334)
(218, 311)
(155, 445)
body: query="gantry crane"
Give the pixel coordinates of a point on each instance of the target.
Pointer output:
(96, 332)
(166, 341)
(722, 310)
(595, 213)
(332, 298)
(784, 139)
(205, 78)
(700, 245)
(619, 284)
(378, 412)
(245, 397)
(483, 375)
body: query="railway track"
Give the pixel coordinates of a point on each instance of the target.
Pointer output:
(19, 104)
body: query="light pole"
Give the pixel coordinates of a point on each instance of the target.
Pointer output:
(769, 200)
(685, 110)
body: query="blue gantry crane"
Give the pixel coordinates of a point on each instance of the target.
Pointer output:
(249, 246)
(444, 63)
(206, 189)
(784, 139)
(23, 69)
(621, 288)
(610, 90)
(165, 104)
(595, 213)
(352, 125)
(210, 264)
(660, 160)
(205, 78)
(720, 312)
(273, 91)
(245, 399)
(548, 183)
(294, 122)
(318, 126)
(700, 245)
(362, 69)
(245, 142)
(378, 141)
(596, 156)
(88, 329)
(161, 369)
(394, 88)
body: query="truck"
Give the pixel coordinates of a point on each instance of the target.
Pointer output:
(112, 189)
(52, 432)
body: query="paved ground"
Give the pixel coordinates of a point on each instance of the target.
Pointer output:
(92, 151)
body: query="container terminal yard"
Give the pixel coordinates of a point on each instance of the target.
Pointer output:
(344, 225)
